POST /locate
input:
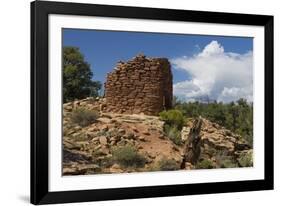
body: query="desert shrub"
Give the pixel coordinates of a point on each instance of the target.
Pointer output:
(84, 117)
(205, 164)
(228, 163)
(106, 162)
(173, 133)
(249, 139)
(127, 156)
(174, 121)
(172, 118)
(225, 161)
(235, 116)
(168, 165)
(246, 160)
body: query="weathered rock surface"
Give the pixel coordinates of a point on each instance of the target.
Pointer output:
(88, 150)
(209, 141)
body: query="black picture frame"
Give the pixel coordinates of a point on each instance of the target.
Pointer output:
(39, 102)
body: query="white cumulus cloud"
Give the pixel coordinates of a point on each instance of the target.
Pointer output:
(216, 74)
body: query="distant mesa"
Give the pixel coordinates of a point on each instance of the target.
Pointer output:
(141, 85)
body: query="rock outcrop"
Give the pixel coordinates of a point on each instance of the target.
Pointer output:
(209, 141)
(89, 149)
(92, 145)
(141, 85)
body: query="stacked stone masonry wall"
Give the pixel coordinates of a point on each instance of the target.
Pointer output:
(141, 85)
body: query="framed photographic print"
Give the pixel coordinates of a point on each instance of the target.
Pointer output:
(131, 102)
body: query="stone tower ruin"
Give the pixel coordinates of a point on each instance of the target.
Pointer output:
(141, 85)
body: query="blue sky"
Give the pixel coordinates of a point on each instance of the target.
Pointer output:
(103, 49)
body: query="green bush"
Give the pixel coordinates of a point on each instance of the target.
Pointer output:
(84, 117)
(173, 133)
(235, 116)
(174, 121)
(225, 161)
(172, 118)
(228, 163)
(127, 156)
(168, 165)
(205, 164)
(246, 160)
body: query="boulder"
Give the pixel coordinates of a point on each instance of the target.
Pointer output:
(184, 133)
(103, 140)
(70, 145)
(104, 120)
(82, 169)
(115, 168)
(70, 171)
